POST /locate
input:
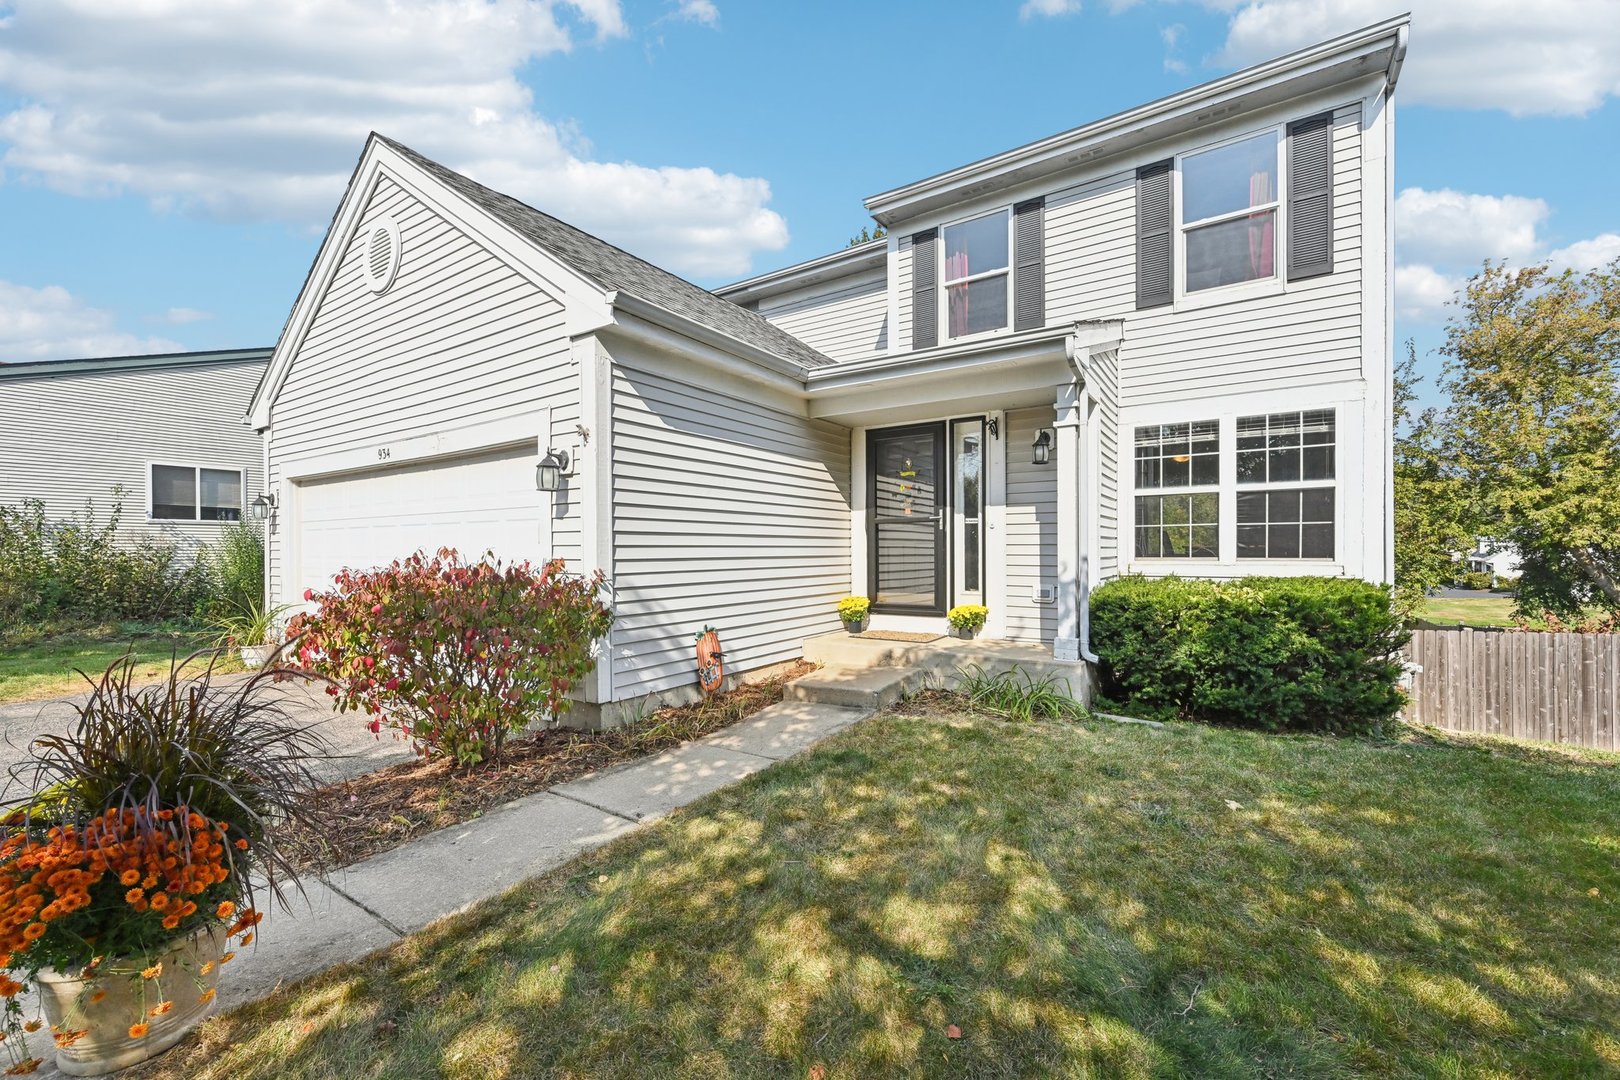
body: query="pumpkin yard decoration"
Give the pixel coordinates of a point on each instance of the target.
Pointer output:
(710, 664)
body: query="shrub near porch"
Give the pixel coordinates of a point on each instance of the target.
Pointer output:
(1283, 654)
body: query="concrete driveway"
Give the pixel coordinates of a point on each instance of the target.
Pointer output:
(355, 750)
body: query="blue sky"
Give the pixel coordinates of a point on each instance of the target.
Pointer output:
(167, 166)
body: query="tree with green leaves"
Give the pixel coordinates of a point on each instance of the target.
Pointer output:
(1432, 507)
(1533, 426)
(866, 236)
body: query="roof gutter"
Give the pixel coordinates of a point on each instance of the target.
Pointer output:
(786, 373)
(1392, 74)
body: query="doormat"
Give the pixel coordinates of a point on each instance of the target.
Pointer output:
(897, 635)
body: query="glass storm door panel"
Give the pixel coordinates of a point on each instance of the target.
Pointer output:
(907, 477)
(967, 512)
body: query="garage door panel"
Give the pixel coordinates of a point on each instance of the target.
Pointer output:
(474, 503)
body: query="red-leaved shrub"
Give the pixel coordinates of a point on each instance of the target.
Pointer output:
(455, 655)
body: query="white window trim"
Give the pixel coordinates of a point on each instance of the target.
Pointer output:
(1242, 290)
(943, 288)
(197, 489)
(1347, 486)
(1190, 489)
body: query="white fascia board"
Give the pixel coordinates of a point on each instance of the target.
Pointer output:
(650, 324)
(584, 301)
(1045, 343)
(839, 264)
(1377, 49)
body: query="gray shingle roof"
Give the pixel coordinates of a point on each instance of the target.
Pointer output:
(612, 268)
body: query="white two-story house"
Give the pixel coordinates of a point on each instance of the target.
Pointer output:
(1157, 343)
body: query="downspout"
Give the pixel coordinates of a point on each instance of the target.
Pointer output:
(1077, 364)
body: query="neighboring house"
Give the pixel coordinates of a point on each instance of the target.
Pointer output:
(1495, 557)
(1158, 343)
(165, 429)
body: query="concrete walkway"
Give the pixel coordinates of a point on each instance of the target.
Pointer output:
(372, 904)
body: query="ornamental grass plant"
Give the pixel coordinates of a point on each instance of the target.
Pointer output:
(159, 817)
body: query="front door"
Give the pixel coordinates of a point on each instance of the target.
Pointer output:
(908, 490)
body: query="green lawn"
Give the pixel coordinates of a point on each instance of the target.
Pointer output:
(1108, 901)
(48, 666)
(1481, 611)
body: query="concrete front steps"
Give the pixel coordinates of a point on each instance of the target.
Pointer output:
(870, 673)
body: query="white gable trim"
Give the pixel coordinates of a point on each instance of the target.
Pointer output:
(585, 303)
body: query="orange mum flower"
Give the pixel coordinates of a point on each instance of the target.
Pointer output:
(33, 931)
(23, 1068)
(227, 958)
(133, 896)
(152, 972)
(32, 1026)
(247, 938)
(129, 877)
(171, 921)
(96, 998)
(206, 968)
(160, 1008)
(242, 844)
(206, 996)
(160, 900)
(225, 910)
(138, 1031)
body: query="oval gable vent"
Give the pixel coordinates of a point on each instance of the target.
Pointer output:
(380, 261)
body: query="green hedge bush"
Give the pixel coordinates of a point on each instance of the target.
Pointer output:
(76, 568)
(1480, 580)
(1281, 654)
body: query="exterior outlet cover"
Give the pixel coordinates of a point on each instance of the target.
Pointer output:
(1043, 594)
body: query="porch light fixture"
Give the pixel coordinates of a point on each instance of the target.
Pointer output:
(548, 475)
(262, 507)
(1042, 447)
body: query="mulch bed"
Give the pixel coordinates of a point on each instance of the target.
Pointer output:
(369, 814)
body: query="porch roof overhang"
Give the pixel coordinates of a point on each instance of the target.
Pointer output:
(1006, 372)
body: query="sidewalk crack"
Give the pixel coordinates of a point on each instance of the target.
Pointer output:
(374, 913)
(594, 806)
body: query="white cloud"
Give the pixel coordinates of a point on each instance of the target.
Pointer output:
(180, 316)
(1584, 255)
(50, 323)
(1034, 9)
(1171, 36)
(1421, 293)
(699, 11)
(1559, 57)
(239, 109)
(1456, 227)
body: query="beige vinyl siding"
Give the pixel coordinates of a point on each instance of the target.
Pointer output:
(460, 339)
(1105, 377)
(1031, 530)
(1310, 333)
(70, 439)
(726, 512)
(845, 320)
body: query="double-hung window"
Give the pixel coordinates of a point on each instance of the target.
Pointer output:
(194, 493)
(1178, 496)
(1286, 498)
(976, 281)
(1229, 219)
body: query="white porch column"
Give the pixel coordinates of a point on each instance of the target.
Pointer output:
(1069, 430)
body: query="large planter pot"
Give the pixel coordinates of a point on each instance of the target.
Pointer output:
(108, 1047)
(255, 657)
(855, 627)
(966, 633)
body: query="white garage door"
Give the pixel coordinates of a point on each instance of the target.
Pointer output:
(474, 503)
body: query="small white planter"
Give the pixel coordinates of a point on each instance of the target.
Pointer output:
(255, 657)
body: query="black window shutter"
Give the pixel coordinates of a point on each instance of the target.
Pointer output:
(924, 304)
(1029, 265)
(1155, 252)
(1310, 197)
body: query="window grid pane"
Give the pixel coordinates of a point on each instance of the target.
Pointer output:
(221, 495)
(1286, 447)
(1178, 526)
(1178, 455)
(1297, 524)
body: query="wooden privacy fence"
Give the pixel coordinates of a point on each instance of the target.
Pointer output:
(1552, 687)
